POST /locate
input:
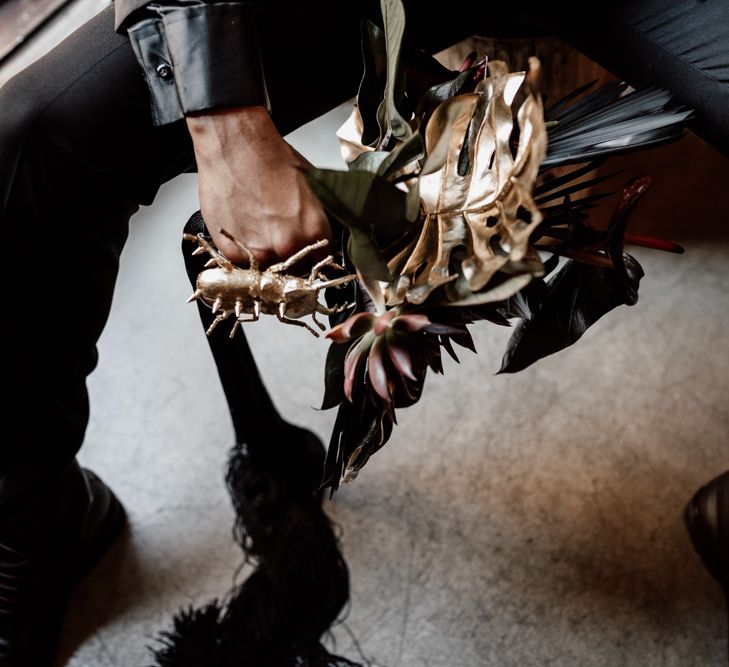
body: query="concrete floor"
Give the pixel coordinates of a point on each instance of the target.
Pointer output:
(517, 520)
(512, 520)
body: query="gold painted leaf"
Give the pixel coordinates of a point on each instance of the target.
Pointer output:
(478, 220)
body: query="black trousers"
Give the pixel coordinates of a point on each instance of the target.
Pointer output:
(79, 154)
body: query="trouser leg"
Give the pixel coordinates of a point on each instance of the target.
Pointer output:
(681, 46)
(78, 155)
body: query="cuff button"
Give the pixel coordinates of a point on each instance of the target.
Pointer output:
(164, 71)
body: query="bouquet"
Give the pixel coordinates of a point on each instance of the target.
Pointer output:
(462, 203)
(464, 200)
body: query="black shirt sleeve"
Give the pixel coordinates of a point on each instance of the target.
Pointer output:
(197, 56)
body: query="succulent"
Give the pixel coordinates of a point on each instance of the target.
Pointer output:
(390, 353)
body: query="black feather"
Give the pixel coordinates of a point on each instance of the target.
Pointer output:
(610, 121)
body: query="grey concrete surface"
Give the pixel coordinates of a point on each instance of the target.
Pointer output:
(512, 520)
(55, 29)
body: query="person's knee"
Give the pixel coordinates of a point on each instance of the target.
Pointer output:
(20, 102)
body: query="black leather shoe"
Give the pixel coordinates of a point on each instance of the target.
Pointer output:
(35, 583)
(707, 520)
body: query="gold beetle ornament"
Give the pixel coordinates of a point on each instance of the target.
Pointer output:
(231, 290)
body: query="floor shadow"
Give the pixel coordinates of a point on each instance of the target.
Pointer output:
(89, 607)
(622, 564)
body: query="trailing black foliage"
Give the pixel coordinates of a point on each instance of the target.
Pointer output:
(574, 300)
(278, 616)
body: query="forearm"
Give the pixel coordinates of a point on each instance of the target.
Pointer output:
(225, 134)
(202, 63)
(252, 186)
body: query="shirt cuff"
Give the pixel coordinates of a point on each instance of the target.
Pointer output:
(200, 57)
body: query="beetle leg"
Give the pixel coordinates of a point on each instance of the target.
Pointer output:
(214, 254)
(253, 262)
(317, 322)
(282, 266)
(288, 320)
(326, 310)
(327, 261)
(253, 316)
(334, 282)
(217, 321)
(239, 320)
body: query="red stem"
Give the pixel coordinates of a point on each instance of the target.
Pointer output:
(652, 242)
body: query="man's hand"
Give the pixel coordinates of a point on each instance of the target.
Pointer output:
(251, 187)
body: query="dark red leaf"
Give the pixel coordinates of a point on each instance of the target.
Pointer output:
(412, 322)
(352, 361)
(400, 358)
(376, 370)
(652, 242)
(382, 322)
(354, 327)
(468, 62)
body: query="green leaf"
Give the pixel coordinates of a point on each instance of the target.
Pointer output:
(579, 295)
(441, 92)
(362, 200)
(372, 87)
(365, 254)
(401, 156)
(368, 206)
(369, 161)
(393, 14)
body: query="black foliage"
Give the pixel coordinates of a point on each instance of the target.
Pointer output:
(457, 83)
(551, 183)
(194, 639)
(334, 375)
(360, 425)
(576, 186)
(556, 312)
(423, 72)
(529, 300)
(422, 82)
(610, 121)
(279, 614)
(372, 86)
(577, 297)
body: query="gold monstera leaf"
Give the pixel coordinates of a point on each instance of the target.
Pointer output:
(477, 207)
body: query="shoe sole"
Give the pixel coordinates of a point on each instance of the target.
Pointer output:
(702, 546)
(111, 524)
